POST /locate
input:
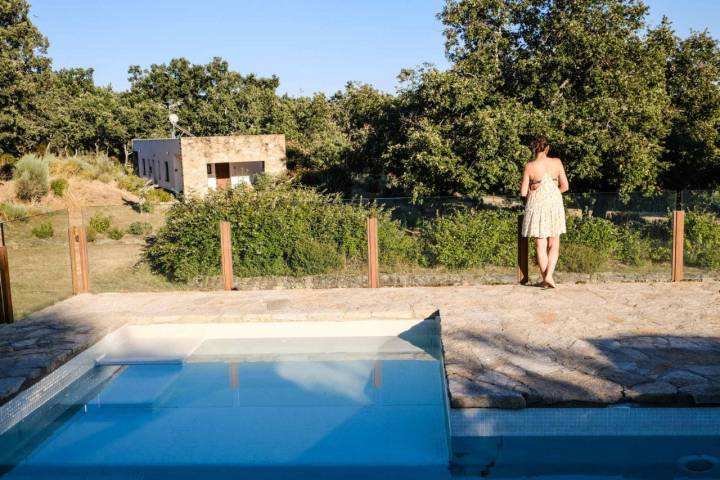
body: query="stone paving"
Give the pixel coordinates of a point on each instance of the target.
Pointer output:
(505, 346)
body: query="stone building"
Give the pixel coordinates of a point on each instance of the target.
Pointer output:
(194, 165)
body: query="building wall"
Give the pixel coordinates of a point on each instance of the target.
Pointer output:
(152, 156)
(198, 152)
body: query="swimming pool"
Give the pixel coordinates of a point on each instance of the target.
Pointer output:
(350, 400)
(276, 408)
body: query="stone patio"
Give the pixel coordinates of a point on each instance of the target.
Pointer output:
(505, 346)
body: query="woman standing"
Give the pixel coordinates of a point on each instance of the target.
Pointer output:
(543, 183)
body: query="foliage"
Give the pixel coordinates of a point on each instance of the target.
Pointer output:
(100, 223)
(276, 230)
(702, 240)
(139, 228)
(43, 230)
(470, 239)
(13, 211)
(157, 195)
(58, 186)
(31, 178)
(115, 233)
(132, 183)
(23, 67)
(580, 258)
(627, 105)
(88, 166)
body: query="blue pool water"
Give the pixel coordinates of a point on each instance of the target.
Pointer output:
(372, 415)
(334, 408)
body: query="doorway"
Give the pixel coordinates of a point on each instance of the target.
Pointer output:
(222, 175)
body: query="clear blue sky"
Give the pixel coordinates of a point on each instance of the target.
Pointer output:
(312, 45)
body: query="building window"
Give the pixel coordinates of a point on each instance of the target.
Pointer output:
(209, 168)
(167, 172)
(143, 160)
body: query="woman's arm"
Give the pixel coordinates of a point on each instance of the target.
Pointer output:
(563, 183)
(525, 184)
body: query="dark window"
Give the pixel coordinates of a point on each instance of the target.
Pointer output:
(143, 160)
(209, 167)
(167, 172)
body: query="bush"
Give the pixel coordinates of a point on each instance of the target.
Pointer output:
(576, 257)
(44, 230)
(277, 230)
(702, 240)
(471, 238)
(100, 223)
(31, 178)
(139, 228)
(90, 233)
(13, 211)
(633, 249)
(157, 195)
(58, 186)
(131, 183)
(115, 233)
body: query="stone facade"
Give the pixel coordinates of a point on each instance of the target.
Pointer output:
(198, 152)
(188, 158)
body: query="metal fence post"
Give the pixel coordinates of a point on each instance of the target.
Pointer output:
(373, 262)
(226, 255)
(522, 252)
(678, 241)
(5, 292)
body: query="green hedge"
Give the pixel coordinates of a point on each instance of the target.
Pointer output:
(283, 230)
(276, 230)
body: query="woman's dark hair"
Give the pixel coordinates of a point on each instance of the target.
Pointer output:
(539, 144)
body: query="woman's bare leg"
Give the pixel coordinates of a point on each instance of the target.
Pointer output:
(553, 256)
(541, 245)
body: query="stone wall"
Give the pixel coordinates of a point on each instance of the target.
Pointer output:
(197, 152)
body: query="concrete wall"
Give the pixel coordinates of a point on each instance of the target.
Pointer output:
(152, 156)
(197, 152)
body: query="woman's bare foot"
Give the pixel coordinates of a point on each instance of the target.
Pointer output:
(549, 283)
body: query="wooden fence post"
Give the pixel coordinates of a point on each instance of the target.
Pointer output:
(72, 241)
(84, 263)
(226, 255)
(522, 252)
(5, 293)
(678, 239)
(373, 262)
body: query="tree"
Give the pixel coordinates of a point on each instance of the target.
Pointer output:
(693, 145)
(23, 61)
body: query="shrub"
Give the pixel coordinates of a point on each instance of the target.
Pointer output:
(277, 230)
(139, 228)
(633, 249)
(31, 178)
(702, 240)
(131, 183)
(577, 257)
(157, 195)
(58, 186)
(13, 211)
(100, 223)
(471, 238)
(44, 230)
(90, 233)
(115, 233)
(7, 166)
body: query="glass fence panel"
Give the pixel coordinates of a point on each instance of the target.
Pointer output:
(702, 234)
(39, 259)
(619, 236)
(448, 240)
(117, 237)
(451, 240)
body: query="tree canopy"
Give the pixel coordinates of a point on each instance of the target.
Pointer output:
(627, 106)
